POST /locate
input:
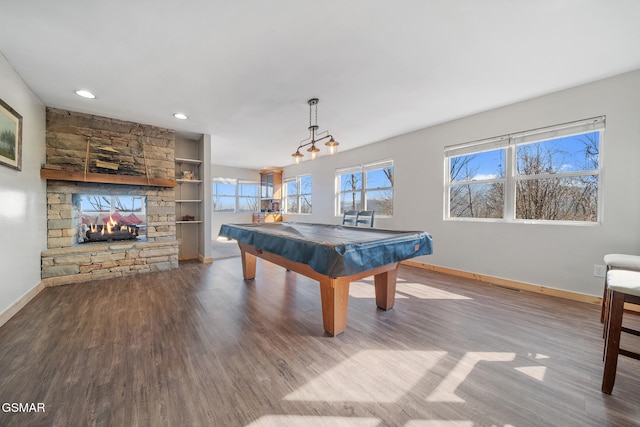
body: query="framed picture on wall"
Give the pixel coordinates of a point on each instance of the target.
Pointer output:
(10, 137)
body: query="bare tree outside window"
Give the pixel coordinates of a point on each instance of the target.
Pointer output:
(99, 203)
(298, 194)
(379, 190)
(478, 185)
(545, 191)
(351, 192)
(305, 194)
(366, 187)
(248, 196)
(552, 179)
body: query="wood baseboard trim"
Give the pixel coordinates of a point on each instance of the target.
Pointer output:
(195, 257)
(506, 283)
(205, 260)
(20, 303)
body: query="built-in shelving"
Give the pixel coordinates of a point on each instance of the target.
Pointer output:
(270, 190)
(193, 198)
(188, 201)
(187, 161)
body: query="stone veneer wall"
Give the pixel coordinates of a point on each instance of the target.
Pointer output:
(143, 150)
(67, 261)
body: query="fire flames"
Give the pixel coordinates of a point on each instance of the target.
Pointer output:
(111, 226)
(113, 229)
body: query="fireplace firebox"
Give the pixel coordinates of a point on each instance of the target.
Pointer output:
(111, 231)
(106, 218)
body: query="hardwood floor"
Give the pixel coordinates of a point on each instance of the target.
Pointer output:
(198, 346)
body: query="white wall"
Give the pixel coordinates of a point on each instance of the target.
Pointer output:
(23, 220)
(217, 218)
(555, 256)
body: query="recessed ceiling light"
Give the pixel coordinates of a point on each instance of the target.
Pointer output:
(85, 94)
(180, 116)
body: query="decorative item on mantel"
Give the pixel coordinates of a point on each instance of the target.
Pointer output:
(188, 175)
(106, 157)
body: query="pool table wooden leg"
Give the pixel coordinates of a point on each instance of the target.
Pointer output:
(335, 301)
(248, 264)
(386, 288)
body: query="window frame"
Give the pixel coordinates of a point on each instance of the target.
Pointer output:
(509, 143)
(363, 189)
(299, 194)
(236, 197)
(239, 197)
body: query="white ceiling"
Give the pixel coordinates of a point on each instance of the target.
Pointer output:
(244, 70)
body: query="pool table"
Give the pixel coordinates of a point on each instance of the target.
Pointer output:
(334, 255)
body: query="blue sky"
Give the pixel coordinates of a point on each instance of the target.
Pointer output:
(569, 155)
(376, 178)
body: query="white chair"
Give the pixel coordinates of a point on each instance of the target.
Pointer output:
(616, 262)
(623, 286)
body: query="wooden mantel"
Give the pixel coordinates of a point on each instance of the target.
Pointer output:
(105, 178)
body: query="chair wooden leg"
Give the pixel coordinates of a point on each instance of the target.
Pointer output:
(605, 296)
(612, 340)
(605, 312)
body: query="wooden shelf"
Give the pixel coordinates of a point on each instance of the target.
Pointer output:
(193, 161)
(105, 178)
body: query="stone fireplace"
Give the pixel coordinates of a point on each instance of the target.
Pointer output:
(75, 168)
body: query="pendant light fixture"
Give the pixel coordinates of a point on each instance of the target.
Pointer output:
(315, 136)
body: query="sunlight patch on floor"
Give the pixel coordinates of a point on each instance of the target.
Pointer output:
(359, 378)
(422, 291)
(535, 372)
(323, 421)
(439, 423)
(445, 392)
(311, 421)
(366, 289)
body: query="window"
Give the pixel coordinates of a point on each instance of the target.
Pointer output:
(551, 174)
(232, 195)
(248, 196)
(366, 187)
(224, 195)
(297, 194)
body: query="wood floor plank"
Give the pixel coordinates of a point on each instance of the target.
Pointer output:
(200, 346)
